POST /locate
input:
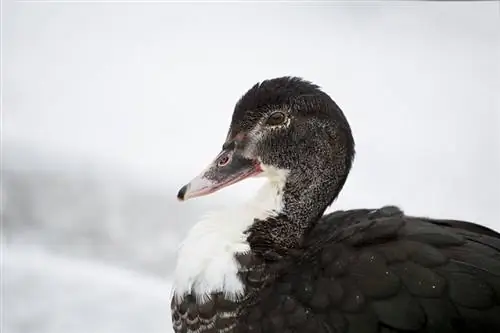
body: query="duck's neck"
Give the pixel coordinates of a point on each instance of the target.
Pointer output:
(307, 194)
(305, 197)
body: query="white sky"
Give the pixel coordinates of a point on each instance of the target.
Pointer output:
(150, 88)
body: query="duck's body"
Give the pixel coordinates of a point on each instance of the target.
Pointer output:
(275, 265)
(362, 271)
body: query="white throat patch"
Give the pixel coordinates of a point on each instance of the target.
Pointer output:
(206, 258)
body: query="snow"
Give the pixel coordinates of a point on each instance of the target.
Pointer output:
(45, 293)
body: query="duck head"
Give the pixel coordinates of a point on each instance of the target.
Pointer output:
(290, 131)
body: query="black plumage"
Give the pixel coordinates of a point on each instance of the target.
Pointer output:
(355, 271)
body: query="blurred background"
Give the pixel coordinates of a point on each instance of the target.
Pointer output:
(109, 108)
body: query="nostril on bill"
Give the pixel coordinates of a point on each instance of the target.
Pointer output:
(224, 160)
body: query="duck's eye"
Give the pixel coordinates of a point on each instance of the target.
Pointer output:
(276, 118)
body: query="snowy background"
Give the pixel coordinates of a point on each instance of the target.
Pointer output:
(108, 109)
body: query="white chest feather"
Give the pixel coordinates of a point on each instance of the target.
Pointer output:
(206, 259)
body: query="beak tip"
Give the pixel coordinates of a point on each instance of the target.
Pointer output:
(182, 193)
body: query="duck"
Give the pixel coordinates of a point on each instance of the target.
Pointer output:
(279, 263)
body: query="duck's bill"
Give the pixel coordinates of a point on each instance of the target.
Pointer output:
(227, 169)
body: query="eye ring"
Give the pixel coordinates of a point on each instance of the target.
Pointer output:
(276, 118)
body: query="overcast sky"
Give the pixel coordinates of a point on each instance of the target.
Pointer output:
(150, 88)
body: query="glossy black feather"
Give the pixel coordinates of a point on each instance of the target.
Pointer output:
(382, 269)
(366, 271)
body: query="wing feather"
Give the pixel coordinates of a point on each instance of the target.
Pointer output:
(379, 270)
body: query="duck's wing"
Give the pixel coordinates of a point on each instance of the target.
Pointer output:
(367, 271)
